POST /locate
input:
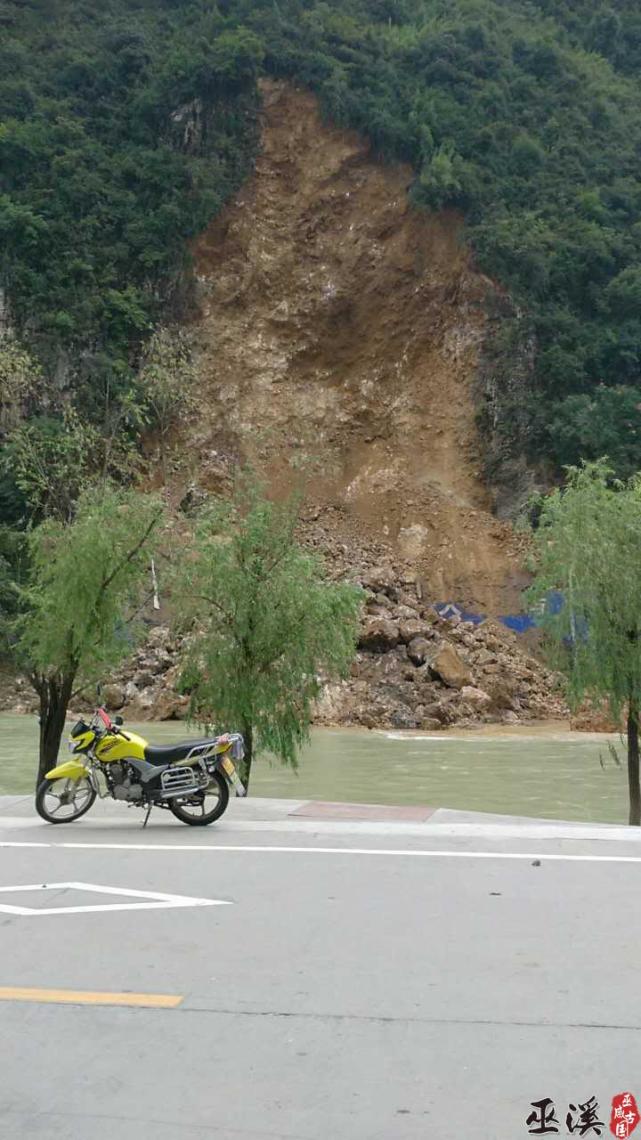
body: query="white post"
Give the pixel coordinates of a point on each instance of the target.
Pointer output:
(155, 585)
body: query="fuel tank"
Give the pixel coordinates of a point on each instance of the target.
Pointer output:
(121, 746)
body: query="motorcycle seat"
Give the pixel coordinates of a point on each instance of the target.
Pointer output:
(169, 753)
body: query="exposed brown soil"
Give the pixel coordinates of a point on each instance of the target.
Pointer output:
(338, 332)
(338, 324)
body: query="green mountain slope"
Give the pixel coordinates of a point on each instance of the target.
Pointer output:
(125, 126)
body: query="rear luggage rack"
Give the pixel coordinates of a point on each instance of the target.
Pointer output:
(178, 781)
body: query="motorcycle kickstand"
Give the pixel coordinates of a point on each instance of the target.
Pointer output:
(148, 814)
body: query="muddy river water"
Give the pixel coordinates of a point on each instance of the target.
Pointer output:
(543, 772)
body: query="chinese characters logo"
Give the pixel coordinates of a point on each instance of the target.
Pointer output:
(581, 1119)
(584, 1119)
(625, 1115)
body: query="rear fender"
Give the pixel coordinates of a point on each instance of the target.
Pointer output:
(70, 770)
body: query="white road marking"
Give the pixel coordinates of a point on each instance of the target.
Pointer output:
(8, 844)
(154, 900)
(380, 851)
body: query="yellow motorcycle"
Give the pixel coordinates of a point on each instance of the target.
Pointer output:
(191, 779)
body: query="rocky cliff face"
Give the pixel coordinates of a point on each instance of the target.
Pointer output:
(339, 324)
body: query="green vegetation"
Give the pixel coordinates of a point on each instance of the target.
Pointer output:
(264, 622)
(125, 126)
(166, 382)
(589, 547)
(77, 610)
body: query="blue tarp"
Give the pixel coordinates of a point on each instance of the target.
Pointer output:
(518, 623)
(451, 610)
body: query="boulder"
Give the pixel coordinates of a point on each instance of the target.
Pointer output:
(380, 579)
(403, 718)
(146, 699)
(113, 697)
(430, 724)
(412, 541)
(477, 698)
(445, 663)
(158, 637)
(384, 601)
(372, 609)
(405, 613)
(492, 642)
(378, 635)
(443, 711)
(414, 627)
(502, 694)
(509, 717)
(131, 692)
(368, 720)
(171, 706)
(411, 600)
(163, 661)
(145, 679)
(418, 650)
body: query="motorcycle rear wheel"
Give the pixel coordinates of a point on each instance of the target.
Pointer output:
(74, 797)
(193, 810)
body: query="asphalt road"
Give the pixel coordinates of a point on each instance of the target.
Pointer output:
(368, 981)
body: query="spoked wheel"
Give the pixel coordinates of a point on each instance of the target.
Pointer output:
(203, 807)
(62, 801)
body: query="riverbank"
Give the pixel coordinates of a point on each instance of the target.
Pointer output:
(561, 729)
(524, 771)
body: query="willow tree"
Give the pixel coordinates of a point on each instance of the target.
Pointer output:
(264, 621)
(86, 580)
(588, 547)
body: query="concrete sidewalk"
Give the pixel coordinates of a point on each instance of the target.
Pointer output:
(313, 817)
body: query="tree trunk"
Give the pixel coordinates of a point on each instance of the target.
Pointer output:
(248, 737)
(633, 764)
(55, 694)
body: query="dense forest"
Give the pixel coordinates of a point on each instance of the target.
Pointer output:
(125, 126)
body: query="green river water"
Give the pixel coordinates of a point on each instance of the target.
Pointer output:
(546, 774)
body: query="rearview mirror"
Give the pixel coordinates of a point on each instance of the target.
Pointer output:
(118, 721)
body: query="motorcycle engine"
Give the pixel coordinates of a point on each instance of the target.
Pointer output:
(124, 785)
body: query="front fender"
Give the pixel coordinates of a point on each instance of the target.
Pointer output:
(70, 770)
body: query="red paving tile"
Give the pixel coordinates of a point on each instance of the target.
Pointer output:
(380, 812)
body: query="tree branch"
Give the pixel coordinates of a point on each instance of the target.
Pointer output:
(212, 602)
(130, 556)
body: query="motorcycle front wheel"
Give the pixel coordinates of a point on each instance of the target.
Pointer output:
(63, 801)
(203, 807)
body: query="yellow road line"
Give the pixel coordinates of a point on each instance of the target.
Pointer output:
(89, 997)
